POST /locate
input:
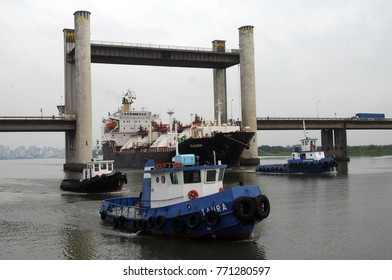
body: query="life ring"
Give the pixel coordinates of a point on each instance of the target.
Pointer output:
(212, 218)
(150, 221)
(103, 215)
(140, 224)
(193, 194)
(159, 222)
(178, 224)
(262, 205)
(244, 208)
(193, 220)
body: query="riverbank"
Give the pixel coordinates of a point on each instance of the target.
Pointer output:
(352, 151)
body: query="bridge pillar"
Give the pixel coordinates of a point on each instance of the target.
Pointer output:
(78, 95)
(327, 142)
(248, 92)
(69, 93)
(341, 144)
(219, 76)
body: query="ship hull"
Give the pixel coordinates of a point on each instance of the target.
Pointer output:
(226, 147)
(103, 184)
(136, 158)
(300, 166)
(230, 214)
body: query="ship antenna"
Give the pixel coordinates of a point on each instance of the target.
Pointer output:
(176, 137)
(305, 133)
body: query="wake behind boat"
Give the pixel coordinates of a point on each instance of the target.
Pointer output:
(182, 199)
(98, 177)
(304, 159)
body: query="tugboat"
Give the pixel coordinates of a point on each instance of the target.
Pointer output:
(304, 159)
(182, 199)
(98, 177)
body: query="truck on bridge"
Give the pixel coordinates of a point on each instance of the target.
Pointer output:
(369, 116)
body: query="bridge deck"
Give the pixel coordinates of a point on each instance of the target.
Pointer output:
(155, 55)
(37, 124)
(322, 123)
(52, 123)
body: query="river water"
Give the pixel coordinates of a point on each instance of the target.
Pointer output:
(346, 215)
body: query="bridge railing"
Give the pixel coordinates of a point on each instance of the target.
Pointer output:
(69, 117)
(318, 119)
(124, 44)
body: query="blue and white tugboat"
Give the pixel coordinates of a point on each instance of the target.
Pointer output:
(182, 199)
(304, 159)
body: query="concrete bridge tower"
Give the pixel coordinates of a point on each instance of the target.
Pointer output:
(220, 92)
(78, 92)
(248, 91)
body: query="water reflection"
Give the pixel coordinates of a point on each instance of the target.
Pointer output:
(342, 167)
(157, 248)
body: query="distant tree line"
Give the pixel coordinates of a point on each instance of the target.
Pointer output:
(352, 151)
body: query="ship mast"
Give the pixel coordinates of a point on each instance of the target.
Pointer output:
(128, 100)
(305, 133)
(219, 107)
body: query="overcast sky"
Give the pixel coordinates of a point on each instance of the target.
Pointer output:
(332, 57)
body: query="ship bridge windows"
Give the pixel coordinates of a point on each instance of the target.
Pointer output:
(192, 176)
(211, 176)
(103, 166)
(96, 167)
(221, 172)
(173, 178)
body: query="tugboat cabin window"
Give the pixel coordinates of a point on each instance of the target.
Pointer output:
(173, 178)
(210, 176)
(96, 167)
(110, 166)
(221, 172)
(103, 166)
(192, 176)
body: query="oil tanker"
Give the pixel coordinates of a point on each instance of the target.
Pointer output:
(131, 137)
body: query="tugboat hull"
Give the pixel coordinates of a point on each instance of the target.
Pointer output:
(300, 166)
(230, 214)
(102, 184)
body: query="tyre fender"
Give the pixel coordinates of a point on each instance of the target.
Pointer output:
(244, 208)
(262, 205)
